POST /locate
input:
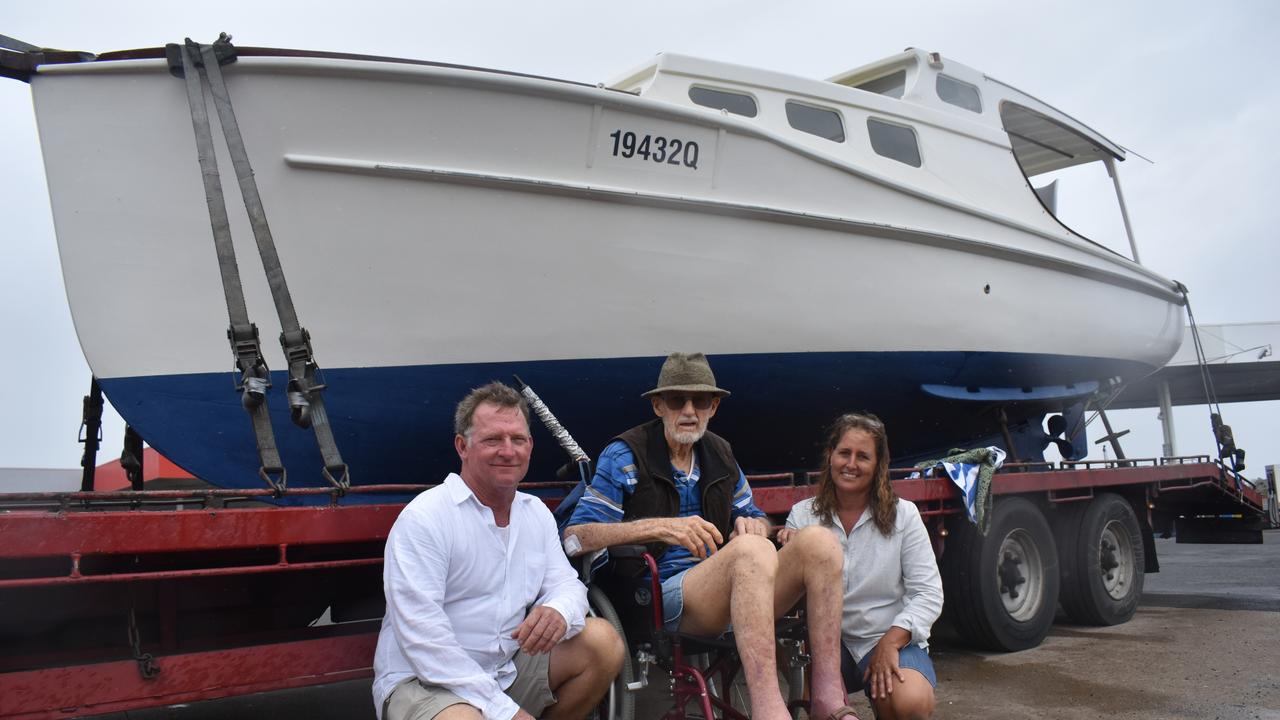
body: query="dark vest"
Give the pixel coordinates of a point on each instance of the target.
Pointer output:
(656, 495)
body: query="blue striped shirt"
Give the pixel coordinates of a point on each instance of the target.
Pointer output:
(615, 479)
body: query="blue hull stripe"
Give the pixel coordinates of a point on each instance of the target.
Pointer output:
(394, 424)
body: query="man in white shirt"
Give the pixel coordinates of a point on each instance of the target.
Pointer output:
(485, 616)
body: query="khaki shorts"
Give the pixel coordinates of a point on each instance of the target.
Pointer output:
(415, 700)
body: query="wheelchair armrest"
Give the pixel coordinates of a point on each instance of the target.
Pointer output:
(641, 554)
(586, 561)
(628, 551)
(583, 564)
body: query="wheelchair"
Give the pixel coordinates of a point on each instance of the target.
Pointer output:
(702, 671)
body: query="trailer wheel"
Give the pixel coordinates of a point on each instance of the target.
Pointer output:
(1102, 561)
(620, 702)
(1002, 589)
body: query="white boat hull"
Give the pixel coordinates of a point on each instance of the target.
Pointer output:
(441, 227)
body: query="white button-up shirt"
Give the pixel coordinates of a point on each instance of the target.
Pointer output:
(888, 581)
(458, 586)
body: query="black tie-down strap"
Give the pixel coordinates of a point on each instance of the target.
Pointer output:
(242, 334)
(304, 392)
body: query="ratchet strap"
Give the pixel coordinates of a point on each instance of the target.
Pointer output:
(90, 432)
(306, 403)
(255, 377)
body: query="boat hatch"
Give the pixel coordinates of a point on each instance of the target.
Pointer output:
(1043, 145)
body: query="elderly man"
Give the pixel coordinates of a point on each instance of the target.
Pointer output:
(672, 484)
(485, 616)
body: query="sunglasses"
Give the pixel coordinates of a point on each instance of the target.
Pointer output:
(677, 402)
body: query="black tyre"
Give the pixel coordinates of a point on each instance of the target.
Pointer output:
(620, 702)
(1065, 520)
(1002, 589)
(1102, 561)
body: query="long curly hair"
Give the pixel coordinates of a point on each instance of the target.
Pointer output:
(884, 501)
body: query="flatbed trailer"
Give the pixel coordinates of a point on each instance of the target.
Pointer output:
(115, 601)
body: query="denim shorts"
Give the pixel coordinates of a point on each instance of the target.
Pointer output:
(911, 656)
(673, 600)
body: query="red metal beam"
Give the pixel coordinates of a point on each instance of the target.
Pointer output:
(778, 499)
(118, 686)
(46, 534)
(78, 579)
(70, 499)
(1098, 477)
(927, 490)
(70, 533)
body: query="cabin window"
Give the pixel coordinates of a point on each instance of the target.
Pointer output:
(815, 121)
(891, 85)
(897, 142)
(736, 103)
(959, 93)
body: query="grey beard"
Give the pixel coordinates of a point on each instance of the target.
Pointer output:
(687, 437)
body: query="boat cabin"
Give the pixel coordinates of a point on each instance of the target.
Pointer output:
(898, 120)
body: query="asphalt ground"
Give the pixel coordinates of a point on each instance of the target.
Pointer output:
(1204, 644)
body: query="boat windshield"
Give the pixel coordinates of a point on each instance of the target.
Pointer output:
(1069, 172)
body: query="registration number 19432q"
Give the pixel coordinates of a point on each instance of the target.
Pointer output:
(655, 148)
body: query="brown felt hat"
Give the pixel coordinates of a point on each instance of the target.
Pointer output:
(686, 372)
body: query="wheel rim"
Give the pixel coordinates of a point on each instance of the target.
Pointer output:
(607, 708)
(1115, 560)
(1020, 575)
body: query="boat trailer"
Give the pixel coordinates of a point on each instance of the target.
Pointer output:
(116, 601)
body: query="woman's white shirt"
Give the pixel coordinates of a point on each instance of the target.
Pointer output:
(888, 581)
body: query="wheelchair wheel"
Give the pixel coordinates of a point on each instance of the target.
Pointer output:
(620, 702)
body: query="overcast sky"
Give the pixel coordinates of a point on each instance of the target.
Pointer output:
(1189, 85)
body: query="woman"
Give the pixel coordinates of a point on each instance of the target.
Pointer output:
(892, 591)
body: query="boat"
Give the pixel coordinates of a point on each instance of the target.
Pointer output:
(871, 241)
